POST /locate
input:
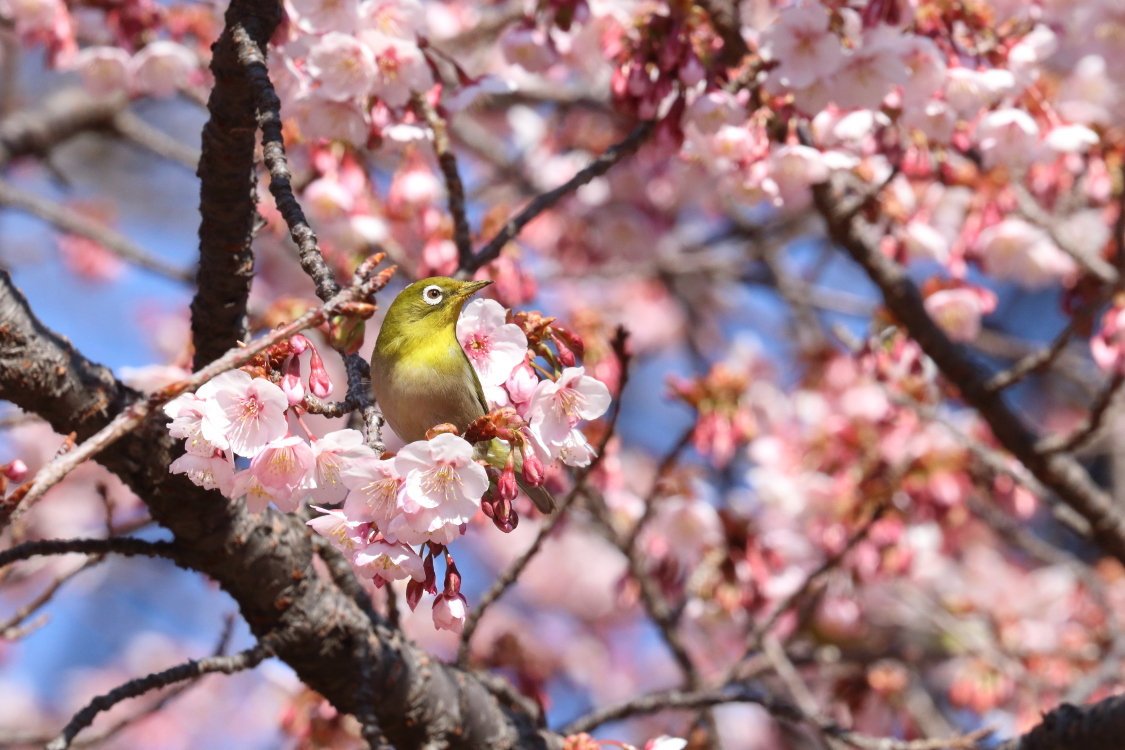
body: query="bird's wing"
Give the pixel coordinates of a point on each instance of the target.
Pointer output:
(477, 387)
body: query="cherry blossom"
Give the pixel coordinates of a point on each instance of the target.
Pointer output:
(493, 346)
(317, 16)
(187, 412)
(528, 47)
(104, 70)
(958, 311)
(258, 496)
(334, 454)
(243, 412)
(390, 562)
(450, 611)
(801, 42)
(30, 15)
(162, 68)
(440, 475)
(286, 464)
(557, 406)
(401, 68)
(347, 535)
(1016, 250)
(213, 472)
(1007, 136)
(373, 490)
(343, 66)
(321, 117)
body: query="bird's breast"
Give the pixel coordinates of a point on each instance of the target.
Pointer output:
(415, 393)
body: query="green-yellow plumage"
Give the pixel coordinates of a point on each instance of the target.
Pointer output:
(419, 373)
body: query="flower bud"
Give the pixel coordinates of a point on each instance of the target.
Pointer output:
(533, 472)
(319, 382)
(15, 471)
(507, 487)
(441, 429)
(450, 611)
(414, 591)
(291, 383)
(298, 344)
(346, 333)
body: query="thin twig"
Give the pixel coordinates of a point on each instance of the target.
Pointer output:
(122, 545)
(73, 222)
(1042, 359)
(1089, 426)
(130, 125)
(362, 287)
(542, 202)
(447, 160)
(11, 629)
(247, 659)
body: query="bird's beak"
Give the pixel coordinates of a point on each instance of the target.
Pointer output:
(470, 288)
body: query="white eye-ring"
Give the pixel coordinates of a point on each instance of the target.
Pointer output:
(432, 294)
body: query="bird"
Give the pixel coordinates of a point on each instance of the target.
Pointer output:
(421, 377)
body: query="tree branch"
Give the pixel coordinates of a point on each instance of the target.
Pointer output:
(247, 659)
(447, 160)
(228, 189)
(129, 125)
(1060, 472)
(34, 132)
(72, 222)
(118, 545)
(546, 200)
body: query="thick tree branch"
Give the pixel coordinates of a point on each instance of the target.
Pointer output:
(228, 189)
(1059, 472)
(34, 132)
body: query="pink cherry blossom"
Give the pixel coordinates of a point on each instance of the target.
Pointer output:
(793, 169)
(318, 16)
(162, 68)
(926, 70)
(327, 199)
(243, 412)
(574, 450)
(258, 496)
(521, 383)
(391, 562)
(213, 472)
(803, 46)
(493, 346)
(935, 119)
(1007, 136)
(968, 90)
(344, 67)
(666, 742)
(401, 68)
(450, 611)
(333, 455)
(714, 109)
(959, 311)
(187, 412)
(397, 18)
(373, 491)
(440, 475)
(104, 70)
(1016, 250)
(286, 464)
(291, 383)
(321, 117)
(870, 71)
(559, 405)
(347, 535)
(528, 47)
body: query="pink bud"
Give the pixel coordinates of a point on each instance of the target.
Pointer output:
(319, 382)
(16, 471)
(507, 485)
(452, 576)
(450, 612)
(533, 472)
(414, 591)
(291, 383)
(298, 343)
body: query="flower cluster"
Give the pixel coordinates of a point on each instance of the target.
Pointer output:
(426, 495)
(160, 69)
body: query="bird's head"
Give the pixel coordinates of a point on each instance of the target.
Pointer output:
(428, 307)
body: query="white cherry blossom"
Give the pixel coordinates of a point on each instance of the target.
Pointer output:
(802, 45)
(344, 67)
(493, 346)
(346, 534)
(104, 70)
(318, 16)
(373, 491)
(213, 472)
(559, 405)
(1016, 250)
(334, 454)
(401, 68)
(391, 562)
(162, 68)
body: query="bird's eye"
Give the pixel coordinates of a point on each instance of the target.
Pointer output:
(432, 294)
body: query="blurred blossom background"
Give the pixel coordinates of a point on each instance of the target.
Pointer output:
(815, 500)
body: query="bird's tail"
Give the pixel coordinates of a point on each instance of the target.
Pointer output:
(495, 452)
